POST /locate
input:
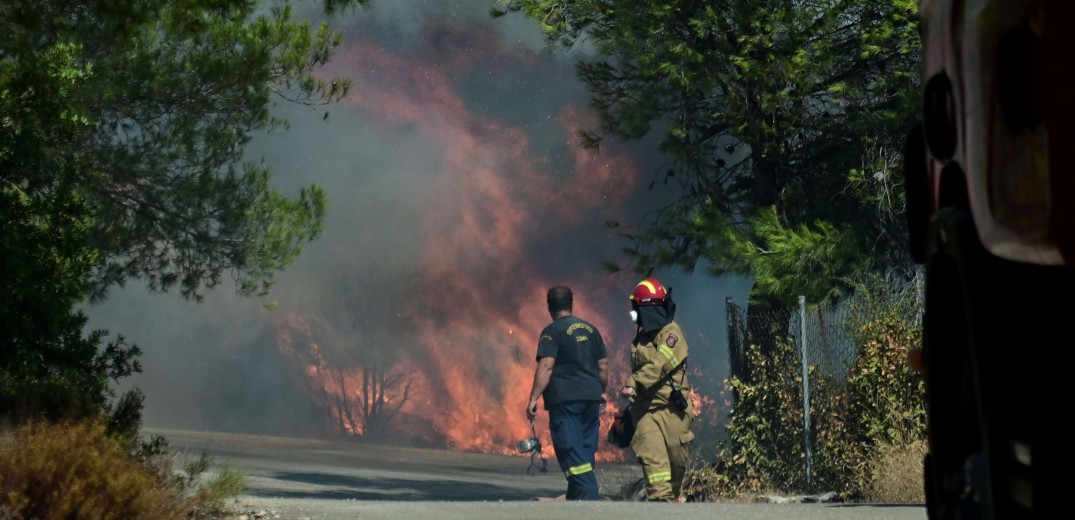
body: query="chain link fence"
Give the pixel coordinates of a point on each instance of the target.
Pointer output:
(820, 347)
(819, 332)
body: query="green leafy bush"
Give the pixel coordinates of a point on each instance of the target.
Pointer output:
(887, 412)
(867, 430)
(766, 448)
(210, 495)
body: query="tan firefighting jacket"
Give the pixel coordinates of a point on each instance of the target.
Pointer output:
(652, 356)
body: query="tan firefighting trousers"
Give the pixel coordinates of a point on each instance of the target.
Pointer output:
(662, 444)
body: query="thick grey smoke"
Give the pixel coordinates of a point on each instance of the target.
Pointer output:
(457, 194)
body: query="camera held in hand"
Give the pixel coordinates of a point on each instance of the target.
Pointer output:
(529, 445)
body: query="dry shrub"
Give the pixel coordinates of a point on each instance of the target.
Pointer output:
(896, 474)
(707, 483)
(76, 470)
(209, 494)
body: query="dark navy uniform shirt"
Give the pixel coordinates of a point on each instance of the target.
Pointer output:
(577, 346)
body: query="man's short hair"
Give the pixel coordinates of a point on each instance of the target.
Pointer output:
(559, 299)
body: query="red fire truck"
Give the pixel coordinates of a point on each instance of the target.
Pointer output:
(990, 174)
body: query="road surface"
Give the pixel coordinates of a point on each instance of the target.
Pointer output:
(305, 479)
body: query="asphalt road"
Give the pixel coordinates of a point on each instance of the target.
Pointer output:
(305, 479)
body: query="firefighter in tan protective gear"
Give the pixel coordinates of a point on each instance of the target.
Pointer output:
(659, 393)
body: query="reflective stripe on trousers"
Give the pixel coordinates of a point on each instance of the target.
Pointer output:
(578, 470)
(575, 429)
(661, 443)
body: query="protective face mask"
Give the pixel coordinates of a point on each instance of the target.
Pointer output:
(634, 316)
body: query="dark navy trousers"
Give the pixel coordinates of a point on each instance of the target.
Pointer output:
(575, 427)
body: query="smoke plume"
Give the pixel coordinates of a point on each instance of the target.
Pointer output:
(458, 195)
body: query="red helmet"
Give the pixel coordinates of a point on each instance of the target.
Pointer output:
(649, 292)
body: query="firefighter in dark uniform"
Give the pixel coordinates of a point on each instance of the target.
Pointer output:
(659, 393)
(570, 377)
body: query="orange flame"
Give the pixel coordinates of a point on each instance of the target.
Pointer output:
(500, 223)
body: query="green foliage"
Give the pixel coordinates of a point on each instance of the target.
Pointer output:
(861, 426)
(784, 120)
(143, 111)
(888, 397)
(887, 412)
(776, 104)
(787, 263)
(766, 450)
(125, 416)
(122, 133)
(208, 496)
(46, 365)
(213, 496)
(121, 128)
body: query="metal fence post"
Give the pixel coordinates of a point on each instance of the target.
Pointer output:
(806, 393)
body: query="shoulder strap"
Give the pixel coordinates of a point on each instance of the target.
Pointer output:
(667, 378)
(668, 375)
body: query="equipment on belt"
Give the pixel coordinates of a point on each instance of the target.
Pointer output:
(677, 399)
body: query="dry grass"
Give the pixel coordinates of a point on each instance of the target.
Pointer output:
(896, 476)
